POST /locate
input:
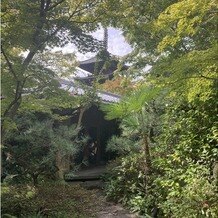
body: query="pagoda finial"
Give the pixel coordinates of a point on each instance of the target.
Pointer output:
(105, 40)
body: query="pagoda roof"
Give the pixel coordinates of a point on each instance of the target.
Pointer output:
(95, 59)
(90, 60)
(76, 89)
(84, 74)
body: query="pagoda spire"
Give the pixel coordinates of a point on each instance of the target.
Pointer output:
(105, 40)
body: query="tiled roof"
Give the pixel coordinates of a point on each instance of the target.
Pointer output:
(82, 73)
(75, 89)
(79, 73)
(89, 61)
(108, 97)
(96, 59)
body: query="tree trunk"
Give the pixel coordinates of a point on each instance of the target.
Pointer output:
(147, 153)
(82, 110)
(14, 105)
(146, 148)
(63, 162)
(60, 173)
(35, 179)
(99, 149)
(12, 108)
(63, 165)
(9, 113)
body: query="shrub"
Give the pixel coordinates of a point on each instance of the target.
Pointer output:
(18, 200)
(182, 193)
(195, 198)
(128, 184)
(30, 151)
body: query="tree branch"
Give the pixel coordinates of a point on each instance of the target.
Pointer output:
(42, 15)
(55, 5)
(10, 66)
(29, 58)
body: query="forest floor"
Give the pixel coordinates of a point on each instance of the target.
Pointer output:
(73, 199)
(60, 200)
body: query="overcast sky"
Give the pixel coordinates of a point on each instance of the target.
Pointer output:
(116, 44)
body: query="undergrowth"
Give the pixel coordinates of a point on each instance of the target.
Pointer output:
(58, 200)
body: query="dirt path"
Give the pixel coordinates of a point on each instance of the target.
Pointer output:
(111, 210)
(107, 209)
(103, 208)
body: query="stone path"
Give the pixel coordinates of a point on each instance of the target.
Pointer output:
(114, 211)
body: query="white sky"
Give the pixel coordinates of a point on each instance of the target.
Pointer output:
(117, 44)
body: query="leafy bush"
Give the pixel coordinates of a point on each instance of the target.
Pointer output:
(197, 197)
(185, 156)
(175, 194)
(128, 183)
(18, 200)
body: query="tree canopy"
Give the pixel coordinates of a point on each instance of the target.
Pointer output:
(33, 27)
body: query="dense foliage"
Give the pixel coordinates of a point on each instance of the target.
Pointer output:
(176, 122)
(31, 150)
(182, 180)
(168, 147)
